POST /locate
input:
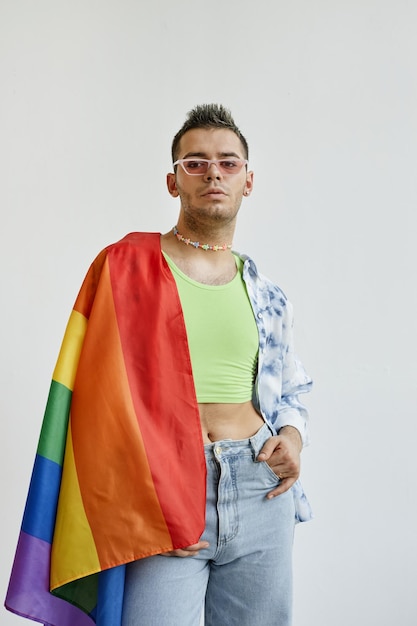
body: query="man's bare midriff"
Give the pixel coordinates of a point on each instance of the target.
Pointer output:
(229, 421)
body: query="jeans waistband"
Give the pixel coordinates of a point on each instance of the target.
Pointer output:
(254, 443)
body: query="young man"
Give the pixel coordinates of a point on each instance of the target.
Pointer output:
(180, 363)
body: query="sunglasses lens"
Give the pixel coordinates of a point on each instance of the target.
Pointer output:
(195, 167)
(226, 166)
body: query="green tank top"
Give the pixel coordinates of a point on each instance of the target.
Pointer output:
(222, 336)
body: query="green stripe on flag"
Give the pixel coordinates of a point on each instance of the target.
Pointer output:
(82, 592)
(54, 428)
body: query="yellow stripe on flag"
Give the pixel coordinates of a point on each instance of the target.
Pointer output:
(69, 354)
(73, 547)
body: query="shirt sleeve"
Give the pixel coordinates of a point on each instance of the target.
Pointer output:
(295, 381)
(281, 377)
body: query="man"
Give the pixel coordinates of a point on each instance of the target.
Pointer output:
(179, 358)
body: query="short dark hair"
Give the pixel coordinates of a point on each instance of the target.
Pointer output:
(208, 116)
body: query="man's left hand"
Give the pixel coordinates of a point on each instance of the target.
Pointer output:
(282, 453)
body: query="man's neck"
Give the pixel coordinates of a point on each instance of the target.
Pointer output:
(203, 265)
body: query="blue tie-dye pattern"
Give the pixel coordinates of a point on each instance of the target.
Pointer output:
(281, 376)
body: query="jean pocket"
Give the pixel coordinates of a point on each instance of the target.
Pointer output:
(268, 473)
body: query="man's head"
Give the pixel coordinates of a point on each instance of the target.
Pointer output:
(208, 116)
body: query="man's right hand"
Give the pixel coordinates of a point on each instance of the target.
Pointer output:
(189, 550)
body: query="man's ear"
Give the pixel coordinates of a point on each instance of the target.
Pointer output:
(172, 185)
(249, 184)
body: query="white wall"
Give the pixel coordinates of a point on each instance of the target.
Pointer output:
(91, 95)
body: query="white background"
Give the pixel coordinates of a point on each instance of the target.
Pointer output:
(92, 93)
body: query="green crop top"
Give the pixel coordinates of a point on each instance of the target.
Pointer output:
(222, 336)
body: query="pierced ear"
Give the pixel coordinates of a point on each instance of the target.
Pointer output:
(249, 184)
(172, 185)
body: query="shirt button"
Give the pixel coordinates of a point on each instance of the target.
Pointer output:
(260, 316)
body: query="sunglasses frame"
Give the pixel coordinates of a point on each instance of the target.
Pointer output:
(209, 162)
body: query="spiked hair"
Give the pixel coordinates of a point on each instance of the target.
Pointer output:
(208, 116)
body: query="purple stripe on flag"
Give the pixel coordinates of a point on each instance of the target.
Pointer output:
(28, 594)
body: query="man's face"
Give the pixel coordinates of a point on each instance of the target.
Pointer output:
(213, 196)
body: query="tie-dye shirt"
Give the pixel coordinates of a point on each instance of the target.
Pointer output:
(281, 376)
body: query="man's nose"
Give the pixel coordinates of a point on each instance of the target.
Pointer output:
(213, 172)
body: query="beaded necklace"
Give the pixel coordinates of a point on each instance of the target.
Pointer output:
(197, 244)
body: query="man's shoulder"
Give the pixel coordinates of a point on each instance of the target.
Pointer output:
(135, 242)
(251, 273)
(136, 238)
(133, 246)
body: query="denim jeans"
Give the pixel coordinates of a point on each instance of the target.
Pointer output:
(244, 577)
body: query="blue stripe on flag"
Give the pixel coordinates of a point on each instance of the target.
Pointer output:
(41, 504)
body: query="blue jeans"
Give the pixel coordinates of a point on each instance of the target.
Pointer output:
(245, 576)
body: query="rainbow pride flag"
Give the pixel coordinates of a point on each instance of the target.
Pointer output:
(119, 473)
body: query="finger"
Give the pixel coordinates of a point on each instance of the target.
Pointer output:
(268, 448)
(194, 549)
(179, 553)
(281, 470)
(188, 550)
(183, 554)
(284, 466)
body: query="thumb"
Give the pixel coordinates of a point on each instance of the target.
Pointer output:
(268, 448)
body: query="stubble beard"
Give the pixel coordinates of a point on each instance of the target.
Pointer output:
(208, 220)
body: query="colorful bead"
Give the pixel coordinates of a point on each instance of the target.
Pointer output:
(197, 244)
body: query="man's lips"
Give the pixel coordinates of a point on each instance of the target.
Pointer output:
(213, 192)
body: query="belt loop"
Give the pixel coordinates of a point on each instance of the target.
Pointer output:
(258, 440)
